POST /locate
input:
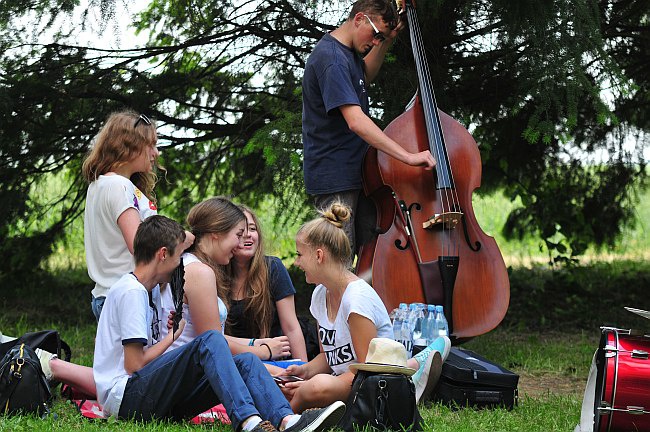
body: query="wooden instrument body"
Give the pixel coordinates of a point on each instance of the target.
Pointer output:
(481, 292)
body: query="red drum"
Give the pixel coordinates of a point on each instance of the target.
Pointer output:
(617, 397)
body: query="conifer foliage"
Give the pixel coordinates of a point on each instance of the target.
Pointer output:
(555, 93)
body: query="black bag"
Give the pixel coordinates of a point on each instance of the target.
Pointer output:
(469, 379)
(382, 401)
(47, 340)
(23, 387)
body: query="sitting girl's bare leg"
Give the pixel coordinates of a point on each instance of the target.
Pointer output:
(80, 377)
(322, 390)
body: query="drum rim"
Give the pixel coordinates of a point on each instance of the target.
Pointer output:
(602, 361)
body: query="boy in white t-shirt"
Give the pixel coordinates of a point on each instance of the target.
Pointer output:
(136, 379)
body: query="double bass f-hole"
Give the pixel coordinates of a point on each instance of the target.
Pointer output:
(450, 220)
(477, 244)
(407, 223)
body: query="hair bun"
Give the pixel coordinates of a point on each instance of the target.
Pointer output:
(337, 214)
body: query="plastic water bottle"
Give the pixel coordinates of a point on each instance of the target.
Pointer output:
(417, 320)
(443, 325)
(431, 326)
(397, 318)
(406, 338)
(400, 325)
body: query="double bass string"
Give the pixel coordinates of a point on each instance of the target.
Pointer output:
(446, 187)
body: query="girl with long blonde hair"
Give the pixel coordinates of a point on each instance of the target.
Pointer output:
(219, 227)
(261, 294)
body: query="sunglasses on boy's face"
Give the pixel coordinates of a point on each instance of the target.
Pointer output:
(144, 119)
(377, 34)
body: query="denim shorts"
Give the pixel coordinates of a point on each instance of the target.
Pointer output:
(97, 303)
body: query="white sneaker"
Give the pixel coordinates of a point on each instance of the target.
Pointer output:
(45, 357)
(319, 419)
(4, 338)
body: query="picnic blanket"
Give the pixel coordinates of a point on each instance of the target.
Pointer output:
(90, 408)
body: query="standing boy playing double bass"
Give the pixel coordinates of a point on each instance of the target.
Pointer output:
(336, 128)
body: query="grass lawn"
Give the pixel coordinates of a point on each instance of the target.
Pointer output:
(553, 369)
(548, 337)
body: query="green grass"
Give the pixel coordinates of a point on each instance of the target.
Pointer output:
(492, 210)
(539, 353)
(531, 414)
(548, 337)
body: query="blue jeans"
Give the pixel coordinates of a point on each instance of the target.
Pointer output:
(97, 304)
(197, 376)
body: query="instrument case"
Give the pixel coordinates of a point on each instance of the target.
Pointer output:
(469, 379)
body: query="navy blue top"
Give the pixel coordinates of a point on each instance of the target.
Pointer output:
(280, 284)
(333, 154)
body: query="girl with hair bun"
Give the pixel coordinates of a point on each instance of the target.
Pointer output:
(349, 314)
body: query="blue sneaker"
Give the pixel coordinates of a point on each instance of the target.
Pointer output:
(442, 344)
(426, 378)
(430, 360)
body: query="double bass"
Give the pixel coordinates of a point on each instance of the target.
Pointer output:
(429, 246)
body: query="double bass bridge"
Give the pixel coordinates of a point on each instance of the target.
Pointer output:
(448, 220)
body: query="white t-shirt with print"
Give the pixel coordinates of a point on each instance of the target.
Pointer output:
(126, 318)
(107, 256)
(359, 298)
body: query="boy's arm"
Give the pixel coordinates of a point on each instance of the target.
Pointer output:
(135, 356)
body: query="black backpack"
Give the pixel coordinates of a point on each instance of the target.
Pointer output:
(382, 401)
(23, 387)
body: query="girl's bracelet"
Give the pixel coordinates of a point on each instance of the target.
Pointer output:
(270, 352)
(251, 342)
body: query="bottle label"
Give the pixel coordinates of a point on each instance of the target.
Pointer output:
(408, 345)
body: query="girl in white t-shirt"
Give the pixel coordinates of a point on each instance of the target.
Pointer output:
(120, 173)
(349, 314)
(119, 168)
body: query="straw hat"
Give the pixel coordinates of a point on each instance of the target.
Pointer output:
(385, 355)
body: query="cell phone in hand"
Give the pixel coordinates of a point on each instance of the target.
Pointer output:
(286, 378)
